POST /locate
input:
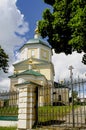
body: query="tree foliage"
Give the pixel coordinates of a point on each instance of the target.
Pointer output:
(84, 59)
(75, 94)
(64, 25)
(3, 60)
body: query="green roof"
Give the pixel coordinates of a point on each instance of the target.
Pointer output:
(36, 41)
(58, 85)
(30, 72)
(27, 72)
(13, 76)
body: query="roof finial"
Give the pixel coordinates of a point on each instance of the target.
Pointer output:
(37, 34)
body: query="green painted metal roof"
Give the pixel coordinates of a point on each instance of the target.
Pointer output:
(13, 76)
(30, 72)
(58, 85)
(27, 72)
(36, 41)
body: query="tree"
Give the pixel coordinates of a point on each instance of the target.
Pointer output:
(64, 25)
(84, 59)
(75, 94)
(3, 60)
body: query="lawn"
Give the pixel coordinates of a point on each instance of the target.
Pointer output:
(9, 111)
(7, 128)
(45, 113)
(48, 113)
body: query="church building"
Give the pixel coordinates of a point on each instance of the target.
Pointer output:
(35, 66)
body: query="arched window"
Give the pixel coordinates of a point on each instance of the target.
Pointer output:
(59, 97)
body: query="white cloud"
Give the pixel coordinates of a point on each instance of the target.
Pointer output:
(4, 84)
(11, 21)
(62, 62)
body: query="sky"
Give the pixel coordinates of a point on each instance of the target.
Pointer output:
(17, 24)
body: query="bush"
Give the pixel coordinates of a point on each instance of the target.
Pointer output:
(58, 103)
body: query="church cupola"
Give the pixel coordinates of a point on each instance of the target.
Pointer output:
(37, 34)
(36, 48)
(35, 57)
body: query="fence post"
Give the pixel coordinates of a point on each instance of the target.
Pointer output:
(71, 78)
(27, 116)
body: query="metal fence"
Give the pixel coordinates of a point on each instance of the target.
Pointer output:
(9, 105)
(63, 105)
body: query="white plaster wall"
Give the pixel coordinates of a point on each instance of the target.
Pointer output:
(24, 54)
(8, 123)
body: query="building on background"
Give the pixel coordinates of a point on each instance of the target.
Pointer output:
(60, 94)
(35, 66)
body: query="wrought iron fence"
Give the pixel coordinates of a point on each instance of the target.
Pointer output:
(63, 105)
(9, 105)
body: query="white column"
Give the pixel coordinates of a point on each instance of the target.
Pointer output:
(27, 107)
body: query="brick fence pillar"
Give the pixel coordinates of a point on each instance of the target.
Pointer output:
(27, 116)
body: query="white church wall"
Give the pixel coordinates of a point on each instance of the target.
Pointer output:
(21, 80)
(24, 54)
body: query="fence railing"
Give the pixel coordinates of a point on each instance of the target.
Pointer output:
(63, 105)
(55, 106)
(9, 105)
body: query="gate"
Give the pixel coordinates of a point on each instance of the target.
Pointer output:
(63, 105)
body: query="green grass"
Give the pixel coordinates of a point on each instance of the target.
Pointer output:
(47, 113)
(8, 128)
(8, 111)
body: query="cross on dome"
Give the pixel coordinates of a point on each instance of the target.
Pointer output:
(37, 34)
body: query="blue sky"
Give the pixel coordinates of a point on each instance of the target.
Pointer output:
(32, 10)
(17, 25)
